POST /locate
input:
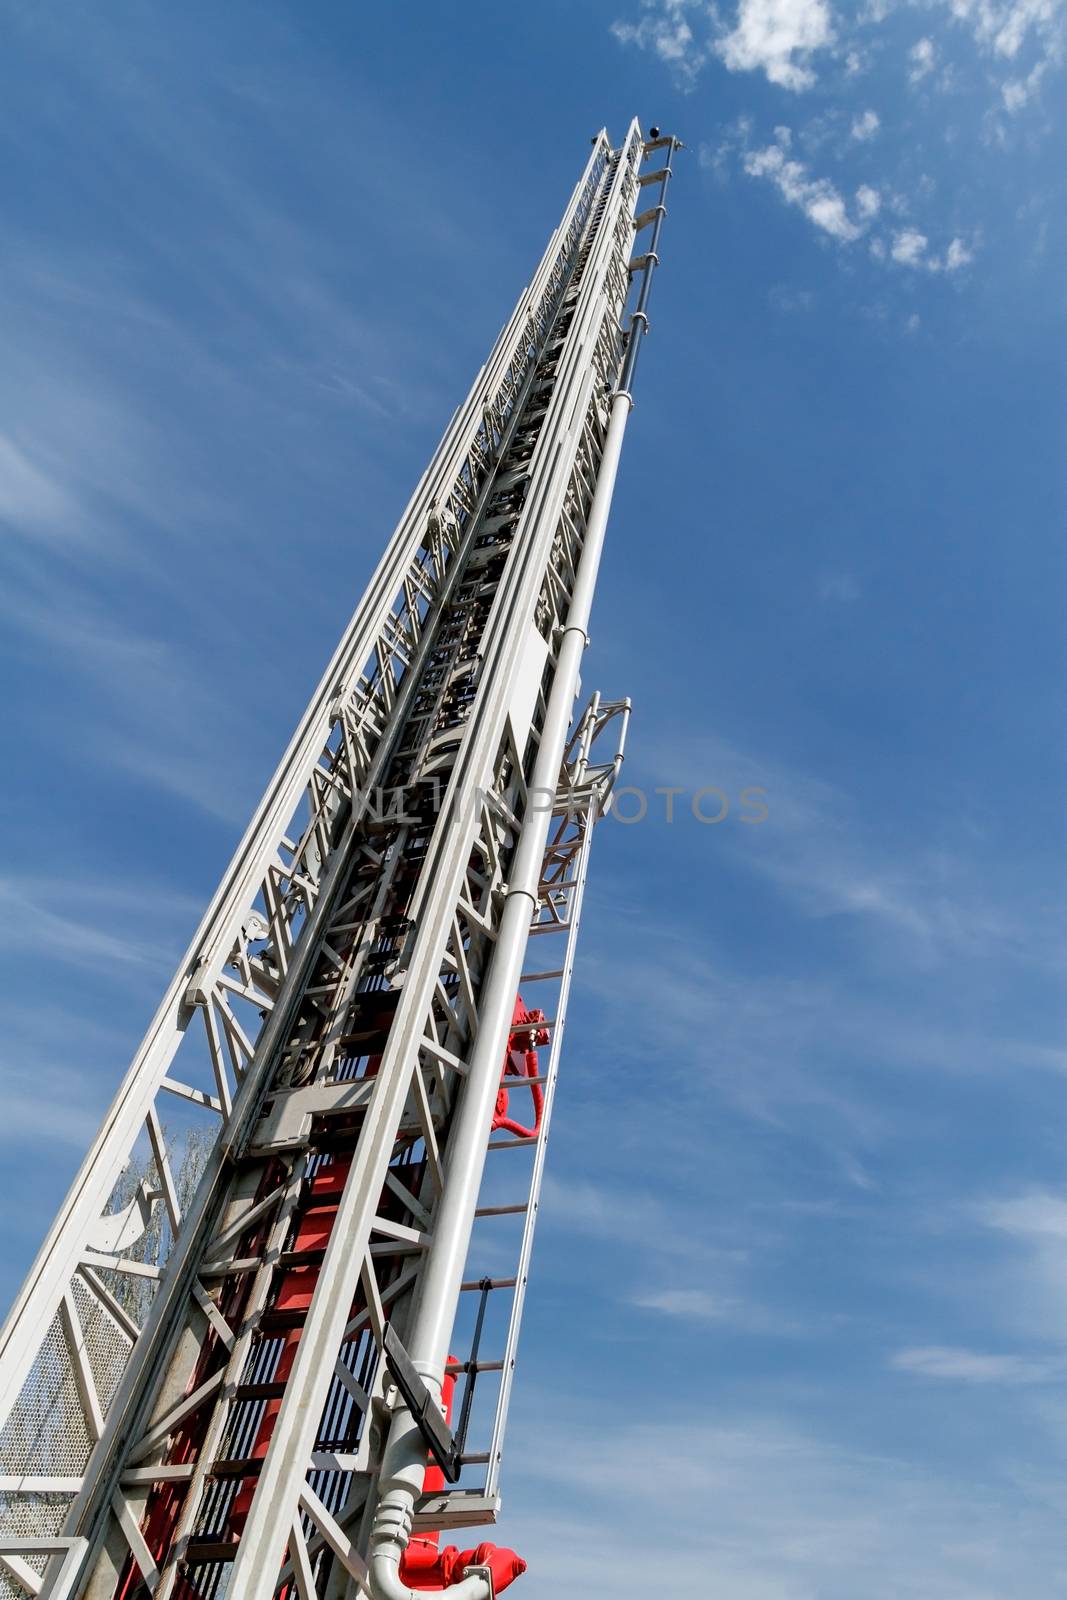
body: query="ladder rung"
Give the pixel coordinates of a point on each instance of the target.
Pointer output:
(502, 1211)
(494, 1283)
(137, 1477)
(229, 1269)
(236, 1468)
(199, 1552)
(301, 1258)
(511, 1144)
(259, 1391)
(275, 1320)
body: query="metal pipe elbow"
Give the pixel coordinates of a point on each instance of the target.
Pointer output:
(384, 1581)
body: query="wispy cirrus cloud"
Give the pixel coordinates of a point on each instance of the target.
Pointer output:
(691, 1304)
(98, 924)
(1036, 1215)
(48, 1104)
(633, 1216)
(1015, 1245)
(766, 1507)
(31, 499)
(959, 1365)
(816, 850)
(1032, 1225)
(146, 711)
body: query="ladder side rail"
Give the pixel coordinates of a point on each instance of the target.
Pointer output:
(576, 895)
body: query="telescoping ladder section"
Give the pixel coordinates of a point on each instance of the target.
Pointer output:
(237, 1426)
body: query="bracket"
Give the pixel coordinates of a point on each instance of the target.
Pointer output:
(425, 1412)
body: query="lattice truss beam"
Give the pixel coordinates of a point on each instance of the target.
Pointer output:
(199, 1343)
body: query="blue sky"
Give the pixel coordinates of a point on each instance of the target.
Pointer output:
(798, 1327)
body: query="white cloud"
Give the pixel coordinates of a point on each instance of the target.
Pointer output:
(665, 31)
(817, 197)
(1004, 26)
(909, 247)
(1018, 92)
(779, 38)
(694, 1304)
(866, 126)
(971, 1366)
(868, 200)
(1003, 29)
(782, 38)
(922, 56)
(828, 209)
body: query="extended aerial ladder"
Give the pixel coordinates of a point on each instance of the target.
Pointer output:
(370, 1020)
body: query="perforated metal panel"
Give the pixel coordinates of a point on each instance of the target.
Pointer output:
(47, 1435)
(107, 1345)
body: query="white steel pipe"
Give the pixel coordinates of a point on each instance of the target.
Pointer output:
(442, 1275)
(405, 1454)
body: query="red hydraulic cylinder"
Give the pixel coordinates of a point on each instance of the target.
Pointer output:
(520, 1061)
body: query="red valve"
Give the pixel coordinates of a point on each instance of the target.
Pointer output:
(426, 1567)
